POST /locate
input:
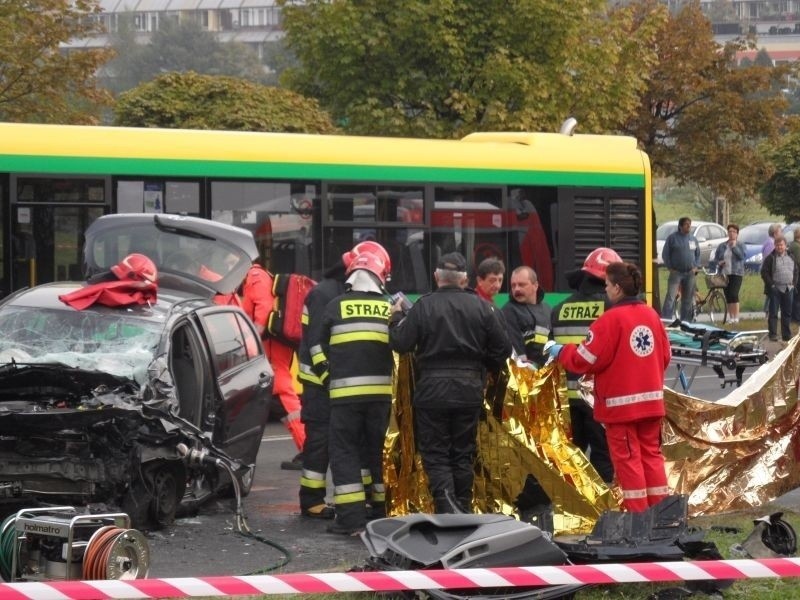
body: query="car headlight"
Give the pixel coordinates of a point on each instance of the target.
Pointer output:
(756, 258)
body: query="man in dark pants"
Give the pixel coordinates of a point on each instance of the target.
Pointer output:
(571, 321)
(355, 352)
(315, 405)
(456, 338)
(780, 274)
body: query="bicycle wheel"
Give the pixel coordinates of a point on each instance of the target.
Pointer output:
(716, 307)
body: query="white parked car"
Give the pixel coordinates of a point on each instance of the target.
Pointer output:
(708, 234)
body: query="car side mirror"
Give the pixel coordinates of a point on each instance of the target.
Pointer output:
(701, 239)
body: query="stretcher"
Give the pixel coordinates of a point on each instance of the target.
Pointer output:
(728, 353)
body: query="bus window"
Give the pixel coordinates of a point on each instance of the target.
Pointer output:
(277, 212)
(470, 221)
(388, 215)
(533, 236)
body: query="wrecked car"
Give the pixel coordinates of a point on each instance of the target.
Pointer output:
(135, 407)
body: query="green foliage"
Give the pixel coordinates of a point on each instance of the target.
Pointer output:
(443, 68)
(781, 192)
(176, 47)
(194, 101)
(39, 82)
(701, 118)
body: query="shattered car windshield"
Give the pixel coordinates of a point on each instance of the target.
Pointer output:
(94, 341)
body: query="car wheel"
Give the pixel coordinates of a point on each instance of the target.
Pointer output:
(167, 489)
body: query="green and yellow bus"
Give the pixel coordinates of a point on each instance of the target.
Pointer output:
(541, 199)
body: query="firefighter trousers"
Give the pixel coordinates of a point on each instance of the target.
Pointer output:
(353, 425)
(315, 415)
(590, 437)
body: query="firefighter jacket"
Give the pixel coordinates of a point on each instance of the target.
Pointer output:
(528, 327)
(456, 337)
(355, 348)
(627, 350)
(310, 349)
(571, 319)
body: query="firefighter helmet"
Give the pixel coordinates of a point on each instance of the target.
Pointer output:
(137, 267)
(371, 247)
(372, 263)
(597, 261)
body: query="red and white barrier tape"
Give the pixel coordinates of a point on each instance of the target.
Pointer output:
(385, 581)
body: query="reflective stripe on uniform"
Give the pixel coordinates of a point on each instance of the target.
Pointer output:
(378, 492)
(587, 356)
(658, 491)
(634, 494)
(305, 373)
(360, 332)
(352, 492)
(312, 479)
(634, 398)
(366, 477)
(360, 390)
(317, 355)
(304, 316)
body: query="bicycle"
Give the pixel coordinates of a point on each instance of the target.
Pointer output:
(712, 304)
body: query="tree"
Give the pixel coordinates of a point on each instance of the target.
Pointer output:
(194, 101)
(38, 81)
(701, 119)
(177, 47)
(443, 68)
(781, 193)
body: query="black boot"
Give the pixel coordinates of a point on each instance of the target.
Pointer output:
(465, 504)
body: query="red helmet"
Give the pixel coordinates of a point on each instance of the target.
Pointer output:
(372, 263)
(371, 247)
(137, 267)
(597, 261)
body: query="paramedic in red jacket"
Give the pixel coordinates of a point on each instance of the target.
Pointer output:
(627, 350)
(257, 302)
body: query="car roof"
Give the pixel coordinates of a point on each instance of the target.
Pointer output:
(203, 256)
(46, 296)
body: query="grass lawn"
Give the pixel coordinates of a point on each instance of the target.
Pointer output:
(751, 296)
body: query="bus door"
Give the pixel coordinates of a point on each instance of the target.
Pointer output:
(48, 217)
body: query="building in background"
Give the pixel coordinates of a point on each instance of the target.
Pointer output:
(252, 22)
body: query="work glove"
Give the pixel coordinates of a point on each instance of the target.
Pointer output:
(552, 349)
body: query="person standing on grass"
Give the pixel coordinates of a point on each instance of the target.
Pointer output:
(766, 250)
(681, 256)
(780, 274)
(794, 251)
(729, 260)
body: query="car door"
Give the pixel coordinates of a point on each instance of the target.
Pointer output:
(244, 381)
(705, 235)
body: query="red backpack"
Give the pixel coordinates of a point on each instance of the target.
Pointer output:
(285, 319)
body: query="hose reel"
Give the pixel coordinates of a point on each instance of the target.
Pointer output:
(57, 543)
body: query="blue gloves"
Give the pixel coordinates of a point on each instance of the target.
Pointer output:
(552, 349)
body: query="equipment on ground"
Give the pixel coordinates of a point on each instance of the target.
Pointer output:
(57, 543)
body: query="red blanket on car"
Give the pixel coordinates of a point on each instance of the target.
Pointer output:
(111, 293)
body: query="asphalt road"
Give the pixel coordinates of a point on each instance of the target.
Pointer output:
(207, 544)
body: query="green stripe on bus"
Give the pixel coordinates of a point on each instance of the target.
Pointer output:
(200, 168)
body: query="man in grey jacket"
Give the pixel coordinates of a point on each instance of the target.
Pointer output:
(681, 255)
